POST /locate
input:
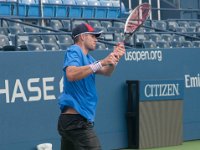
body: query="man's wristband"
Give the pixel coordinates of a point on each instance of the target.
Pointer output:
(95, 66)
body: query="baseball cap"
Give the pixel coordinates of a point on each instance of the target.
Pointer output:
(85, 28)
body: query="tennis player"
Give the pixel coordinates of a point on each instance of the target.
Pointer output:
(79, 98)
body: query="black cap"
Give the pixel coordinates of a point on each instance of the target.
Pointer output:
(85, 28)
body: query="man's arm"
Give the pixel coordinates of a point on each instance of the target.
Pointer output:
(115, 56)
(74, 73)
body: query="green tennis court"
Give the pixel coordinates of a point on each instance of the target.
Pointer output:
(189, 145)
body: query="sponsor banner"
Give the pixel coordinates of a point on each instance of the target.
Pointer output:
(161, 90)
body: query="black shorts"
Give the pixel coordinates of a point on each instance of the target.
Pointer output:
(77, 133)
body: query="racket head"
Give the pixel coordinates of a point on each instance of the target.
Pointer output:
(137, 17)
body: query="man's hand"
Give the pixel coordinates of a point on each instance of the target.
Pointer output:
(111, 59)
(119, 50)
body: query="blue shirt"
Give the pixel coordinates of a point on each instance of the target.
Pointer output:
(80, 95)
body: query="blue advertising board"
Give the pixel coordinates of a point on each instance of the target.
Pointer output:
(30, 83)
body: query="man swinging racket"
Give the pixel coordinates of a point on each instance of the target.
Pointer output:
(79, 98)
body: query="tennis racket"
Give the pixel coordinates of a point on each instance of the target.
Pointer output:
(136, 19)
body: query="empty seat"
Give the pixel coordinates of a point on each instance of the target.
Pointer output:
(139, 38)
(14, 23)
(155, 37)
(167, 37)
(163, 44)
(118, 24)
(6, 8)
(175, 44)
(87, 11)
(183, 24)
(94, 23)
(187, 44)
(77, 22)
(107, 36)
(18, 42)
(34, 47)
(178, 38)
(5, 44)
(64, 46)
(194, 24)
(149, 44)
(15, 30)
(115, 29)
(118, 37)
(181, 29)
(196, 44)
(51, 46)
(28, 29)
(172, 25)
(99, 11)
(3, 31)
(162, 25)
(49, 38)
(34, 39)
(56, 24)
(106, 24)
(101, 46)
(111, 11)
(67, 39)
(74, 11)
(66, 25)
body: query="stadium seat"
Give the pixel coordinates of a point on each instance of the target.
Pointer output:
(167, 37)
(87, 10)
(64, 46)
(74, 11)
(67, 39)
(107, 36)
(115, 29)
(175, 44)
(155, 37)
(77, 22)
(94, 23)
(139, 38)
(13, 23)
(149, 44)
(34, 47)
(51, 46)
(29, 29)
(196, 44)
(118, 24)
(112, 11)
(6, 8)
(101, 46)
(172, 25)
(66, 25)
(106, 24)
(99, 11)
(15, 30)
(49, 38)
(159, 24)
(33, 9)
(4, 31)
(5, 44)
(194, 24)
(118, 37)
(181, 29)
(178, 38)
(20, 45)
(56, 24)
(34, 39)
(162, 44)
(186, 44)
(183, 24)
